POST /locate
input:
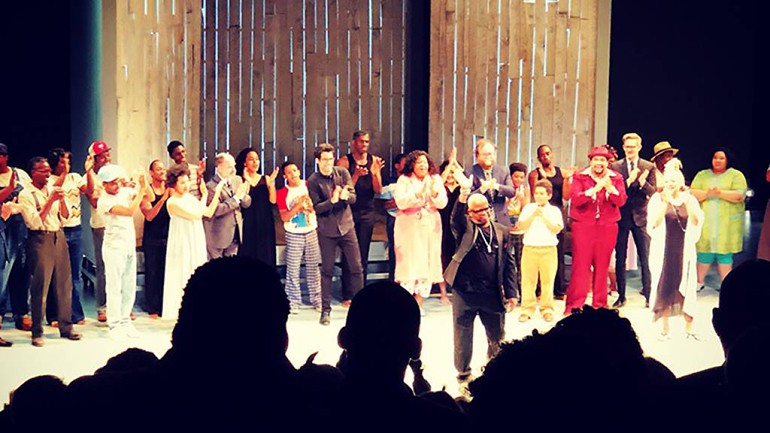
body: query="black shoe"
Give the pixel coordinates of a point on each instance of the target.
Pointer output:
(72, 335)
(646, 304)
(4, 343)
(325, 320)
(620, 303)
(702, 286)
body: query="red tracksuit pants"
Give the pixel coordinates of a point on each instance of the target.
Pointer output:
(592, 245)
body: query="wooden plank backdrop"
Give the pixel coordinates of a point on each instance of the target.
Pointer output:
(521, 73)
(158, 83)
(284, 75)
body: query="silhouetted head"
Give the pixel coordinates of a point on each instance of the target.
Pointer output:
(382, 330)
(743, 300)
(227, 284)
(41, 393)
(129, 360)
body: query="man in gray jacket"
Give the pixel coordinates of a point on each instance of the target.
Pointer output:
(224, 230)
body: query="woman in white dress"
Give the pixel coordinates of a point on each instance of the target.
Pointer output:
(186, 238)
(419, 194)
(674, 222)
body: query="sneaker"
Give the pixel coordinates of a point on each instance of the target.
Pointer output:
(118, 333)
(131, 331)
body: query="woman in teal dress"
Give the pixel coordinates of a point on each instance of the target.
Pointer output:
(721, 192)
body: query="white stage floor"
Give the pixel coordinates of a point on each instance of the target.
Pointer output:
(69, 360)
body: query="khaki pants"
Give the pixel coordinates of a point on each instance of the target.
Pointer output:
(542, 262)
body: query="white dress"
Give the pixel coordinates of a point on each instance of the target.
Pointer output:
(186, 251)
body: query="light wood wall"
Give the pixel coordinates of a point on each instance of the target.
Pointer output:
(284, 75)
(151, 56)
(521, 73)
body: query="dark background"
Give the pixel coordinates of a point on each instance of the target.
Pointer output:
(679, 71)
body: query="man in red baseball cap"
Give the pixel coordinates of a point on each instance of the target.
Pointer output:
(597, 194)
(99, 151)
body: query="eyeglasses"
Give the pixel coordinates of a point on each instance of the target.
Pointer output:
(478, 211)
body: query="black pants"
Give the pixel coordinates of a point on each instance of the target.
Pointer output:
(463, 316)
(348, 243)
(49, 262)
(154, 273)
(364, 223)
(642, 241)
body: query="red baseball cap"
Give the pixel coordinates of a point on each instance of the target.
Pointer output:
(97, 148)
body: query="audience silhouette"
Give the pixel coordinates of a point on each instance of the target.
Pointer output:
(377, 352)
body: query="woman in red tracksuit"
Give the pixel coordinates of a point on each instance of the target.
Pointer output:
(596, 197)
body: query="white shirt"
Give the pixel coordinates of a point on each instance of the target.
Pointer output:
(32, 201)
(97, 222)
(119, 232)
(72, 184)
(303, 222)
(538, 234)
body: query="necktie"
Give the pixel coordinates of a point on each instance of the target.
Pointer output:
(633, 165)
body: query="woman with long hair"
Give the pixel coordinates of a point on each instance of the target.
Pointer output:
(258, 223)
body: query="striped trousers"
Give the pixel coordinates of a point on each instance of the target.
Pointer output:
(298, 245)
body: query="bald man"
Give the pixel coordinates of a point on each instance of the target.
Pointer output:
(482, 275)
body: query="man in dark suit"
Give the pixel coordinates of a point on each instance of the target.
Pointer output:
(491, 180)
(482, 275)
(224, 230)
(639, 177)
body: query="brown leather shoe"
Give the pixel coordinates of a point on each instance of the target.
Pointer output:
(72, 335)
(38, 341)
(24, 323)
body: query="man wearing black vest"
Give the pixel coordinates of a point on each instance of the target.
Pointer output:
(482, 275)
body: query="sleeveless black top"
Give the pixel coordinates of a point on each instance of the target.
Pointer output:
(557, 180)
(156, 231)
(364, 186)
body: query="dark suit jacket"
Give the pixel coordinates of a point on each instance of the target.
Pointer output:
(220, 228)
(466, 232)
(634, 212)
(495, 198)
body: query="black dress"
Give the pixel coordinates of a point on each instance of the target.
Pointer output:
(258, 225)
(154, 241)
(673, 258)
(448, 242)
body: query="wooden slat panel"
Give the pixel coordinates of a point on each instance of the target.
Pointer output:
(504, 97)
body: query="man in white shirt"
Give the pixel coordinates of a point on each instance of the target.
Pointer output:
(44, 211)
(541, 222)
(117, 207)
